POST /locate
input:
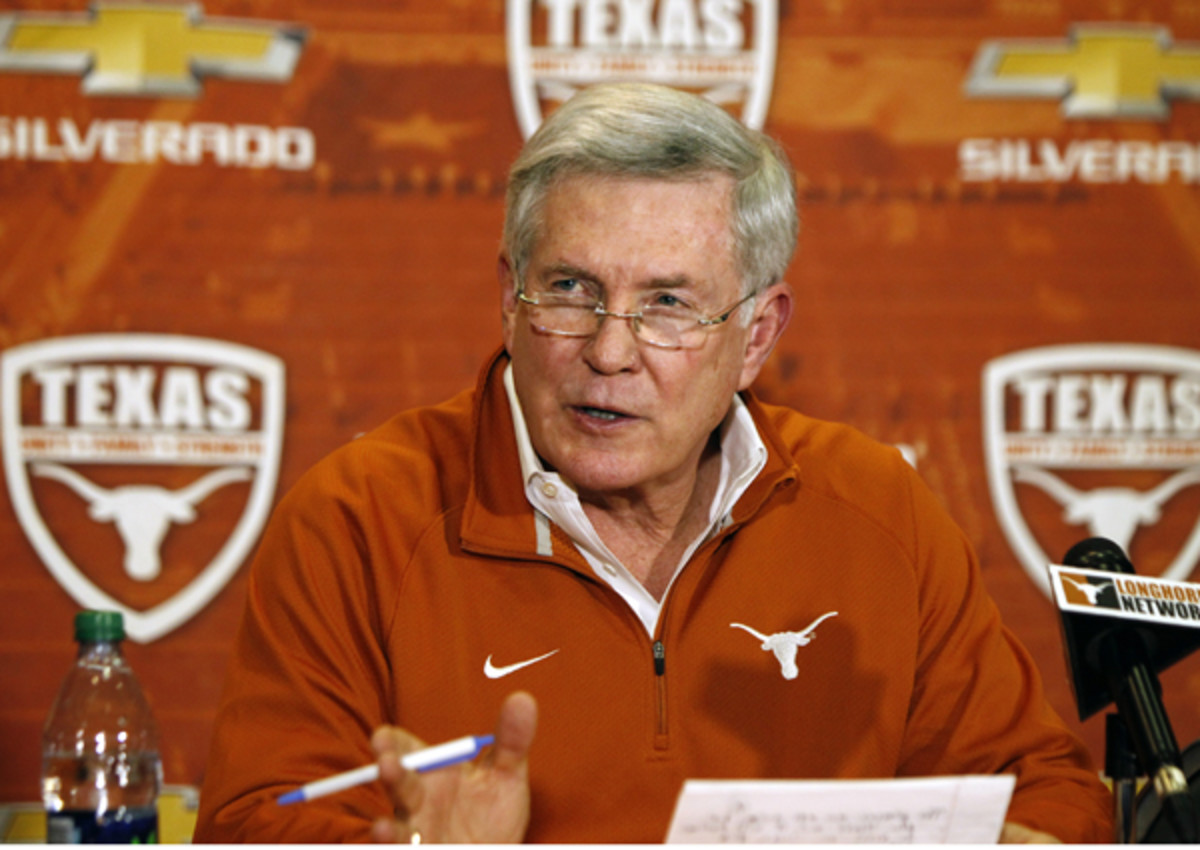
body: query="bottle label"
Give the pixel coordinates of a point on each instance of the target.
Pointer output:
(122, 826)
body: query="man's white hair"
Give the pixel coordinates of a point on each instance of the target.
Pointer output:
(642, 130)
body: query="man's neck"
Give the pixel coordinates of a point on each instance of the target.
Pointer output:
(649, 532)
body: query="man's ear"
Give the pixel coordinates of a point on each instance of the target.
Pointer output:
(772, 312)
(508, 298)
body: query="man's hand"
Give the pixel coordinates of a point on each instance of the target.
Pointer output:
(485, 801)
(1014, 833)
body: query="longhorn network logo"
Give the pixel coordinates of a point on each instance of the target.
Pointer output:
(1099, 71)
(723, 49)
(1096, 441)
(161, 49)
(141, 467)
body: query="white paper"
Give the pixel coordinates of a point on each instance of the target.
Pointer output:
(936, 810)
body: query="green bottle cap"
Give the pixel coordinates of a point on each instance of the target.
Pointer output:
(97, 626)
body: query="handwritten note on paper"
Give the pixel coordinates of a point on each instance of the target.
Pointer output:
(936, 810)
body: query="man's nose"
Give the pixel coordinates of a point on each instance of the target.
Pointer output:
(615, 346)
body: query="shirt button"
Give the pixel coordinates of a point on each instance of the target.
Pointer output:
(610, 569)
(549, 490)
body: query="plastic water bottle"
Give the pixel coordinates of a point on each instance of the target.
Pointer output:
(101, 770)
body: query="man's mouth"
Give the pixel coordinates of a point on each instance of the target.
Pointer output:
(601, 413)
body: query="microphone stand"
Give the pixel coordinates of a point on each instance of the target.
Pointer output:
(1114, 664)
(1121, 767)
(1158, 821)
(1137, 694)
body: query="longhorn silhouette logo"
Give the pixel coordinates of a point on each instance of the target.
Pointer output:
(1091, 591)
(785, 645)
(142, 513)
(1112, 512)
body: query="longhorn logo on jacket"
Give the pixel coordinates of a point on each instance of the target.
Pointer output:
(141, 467)
(785, 645)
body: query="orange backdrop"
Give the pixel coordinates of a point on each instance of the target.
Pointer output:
(954, 213)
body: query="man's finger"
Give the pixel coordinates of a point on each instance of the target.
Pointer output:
(384, 831)
(392, 739)
(1015, 833)
(391, 744)
(515, 729)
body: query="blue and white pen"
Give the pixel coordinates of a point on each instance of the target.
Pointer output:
(430, 758)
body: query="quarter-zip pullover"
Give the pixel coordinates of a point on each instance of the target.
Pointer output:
(406, 579)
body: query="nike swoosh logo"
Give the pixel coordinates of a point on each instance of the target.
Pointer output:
(493, 672)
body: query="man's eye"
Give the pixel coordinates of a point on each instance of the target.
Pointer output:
(668, 301)
(567, 286)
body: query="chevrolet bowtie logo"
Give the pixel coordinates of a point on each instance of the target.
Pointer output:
(142, 49)
(1100, 71)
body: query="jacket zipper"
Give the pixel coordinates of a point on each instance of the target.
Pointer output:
(660, 669)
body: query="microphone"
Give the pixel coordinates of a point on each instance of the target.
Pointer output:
(1120, 655)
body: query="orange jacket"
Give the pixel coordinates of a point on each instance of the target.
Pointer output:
(398, 565)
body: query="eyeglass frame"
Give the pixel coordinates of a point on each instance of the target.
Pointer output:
(636, 320)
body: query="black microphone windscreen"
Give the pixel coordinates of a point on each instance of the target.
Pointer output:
(1098, 553)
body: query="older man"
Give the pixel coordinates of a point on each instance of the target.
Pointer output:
(611, 532)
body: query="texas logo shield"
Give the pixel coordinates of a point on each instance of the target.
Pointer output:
(722, 49)
(1096, 441)
(141, 467)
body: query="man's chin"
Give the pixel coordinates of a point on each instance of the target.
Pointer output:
(602, 478)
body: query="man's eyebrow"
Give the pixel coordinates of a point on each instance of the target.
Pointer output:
(568, 270)
(676, 282)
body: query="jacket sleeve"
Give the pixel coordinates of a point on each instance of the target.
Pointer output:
(978, 704)
(307, 683)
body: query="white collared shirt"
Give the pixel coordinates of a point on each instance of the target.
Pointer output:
(743, 456)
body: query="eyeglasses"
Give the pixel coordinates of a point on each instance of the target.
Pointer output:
(663, 319)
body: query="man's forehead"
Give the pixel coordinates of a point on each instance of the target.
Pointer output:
(677, 239)
(684, 205)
